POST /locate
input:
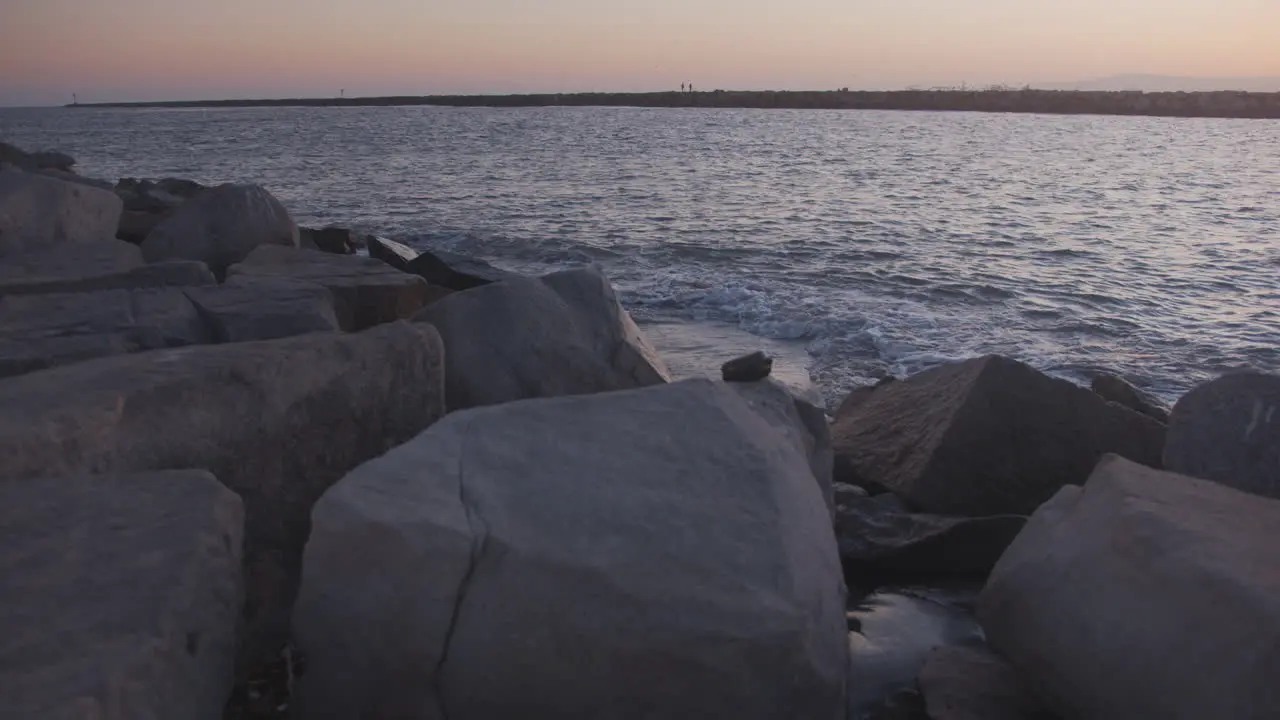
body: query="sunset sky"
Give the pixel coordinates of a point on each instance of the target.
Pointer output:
(184, 49)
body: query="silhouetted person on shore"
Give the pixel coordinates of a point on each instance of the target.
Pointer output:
(681, 88)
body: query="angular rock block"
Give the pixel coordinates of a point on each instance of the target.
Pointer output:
(366, 291)
(989, 436)
(264, 312)
(44, 331)
(562, 334)
(1118, 390)
(661, 552)
(396, 254)
(1146, 594)
(120, 596)
(40, 214)
(77, 276)
(220, 227)
(277, 421)
(1228, 431)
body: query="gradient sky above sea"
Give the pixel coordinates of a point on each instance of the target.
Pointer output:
(192, 49)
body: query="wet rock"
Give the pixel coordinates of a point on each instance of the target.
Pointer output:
(44, 331)
(973, 683)
(468, 577)
(1228, 431)
(899, 628)
(336, 240)
(989, 436)
(41, 215)
(1118, 390)
(221, 226)
(397, 255)
(454, 271)
(121, 595)
(562, 334)
(1146, 594)
(87, 277)
(905, 704)
(748, 368)
(846, 494)
(366, 291)
(277, 421)
(264, 311)
(876, 535)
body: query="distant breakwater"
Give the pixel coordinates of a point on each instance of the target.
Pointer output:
(1056, 102)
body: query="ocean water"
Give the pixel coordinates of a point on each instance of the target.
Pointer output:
(848, 244)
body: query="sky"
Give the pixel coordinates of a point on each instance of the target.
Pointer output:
(114, 50)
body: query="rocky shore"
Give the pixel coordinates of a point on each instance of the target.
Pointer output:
(251, 470)
(1048, 102)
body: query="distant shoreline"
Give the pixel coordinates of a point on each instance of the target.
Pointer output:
(1224, 104)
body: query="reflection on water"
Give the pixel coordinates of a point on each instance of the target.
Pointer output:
(898, 628)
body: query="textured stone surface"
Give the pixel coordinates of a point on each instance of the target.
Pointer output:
(562, 334)
(119, 596)
(276, 421)
(41, 215)
(1228, 431)
(989, 436)
(264, 311)
(221, 226)
(366, 291)
(661, 552)
(78, 276)
(43, 331)
(1146, 594)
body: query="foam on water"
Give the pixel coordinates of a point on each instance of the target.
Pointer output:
(854, 243)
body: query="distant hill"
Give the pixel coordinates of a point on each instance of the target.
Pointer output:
(1168, 83)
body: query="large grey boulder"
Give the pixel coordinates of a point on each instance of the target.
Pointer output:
(876, 535)
(1228, 430)
(277, 421)
(366, 291)
(120, 596)
(265, 311)
(562, 334)
(1146, 594)
(662, 552)
(41, 215)
(221, 226)
(43, 331)
(989, 436)
(77, 277)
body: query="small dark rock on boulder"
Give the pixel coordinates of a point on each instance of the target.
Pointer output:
(748, 368)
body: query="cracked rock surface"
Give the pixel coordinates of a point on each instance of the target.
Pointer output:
(660, 552)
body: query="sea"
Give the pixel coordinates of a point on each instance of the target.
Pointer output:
(849, 245)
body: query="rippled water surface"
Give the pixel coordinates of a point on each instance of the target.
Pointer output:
(859, 242)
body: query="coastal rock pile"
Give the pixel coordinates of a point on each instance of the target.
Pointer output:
(248, 473)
